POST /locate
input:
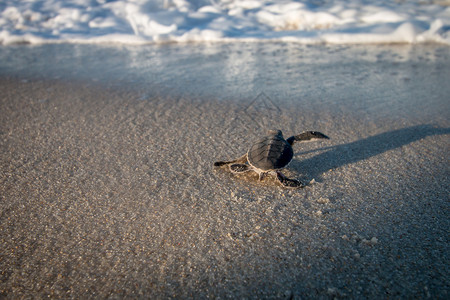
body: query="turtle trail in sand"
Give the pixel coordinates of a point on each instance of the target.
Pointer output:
(271, 154)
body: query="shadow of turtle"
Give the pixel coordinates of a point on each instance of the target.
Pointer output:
(356, 151)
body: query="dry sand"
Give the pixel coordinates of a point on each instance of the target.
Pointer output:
(106, 193)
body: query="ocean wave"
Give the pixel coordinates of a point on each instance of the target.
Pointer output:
(164, 21)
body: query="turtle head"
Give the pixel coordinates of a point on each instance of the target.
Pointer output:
(275, 132)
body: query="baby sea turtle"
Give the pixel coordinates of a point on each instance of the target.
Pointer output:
(270, 154)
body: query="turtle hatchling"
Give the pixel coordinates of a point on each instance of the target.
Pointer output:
(271, 154)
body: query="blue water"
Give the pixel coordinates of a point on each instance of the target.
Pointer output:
(375, 81)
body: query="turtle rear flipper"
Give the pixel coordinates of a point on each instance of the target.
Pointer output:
(288, 182)
(239, 168)
(221, 163)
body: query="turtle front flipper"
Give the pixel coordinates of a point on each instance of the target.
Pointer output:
(240, 160)
(239, 168)
(306, 136)
(288, 182)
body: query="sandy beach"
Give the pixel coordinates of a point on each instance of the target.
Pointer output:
(108, 188)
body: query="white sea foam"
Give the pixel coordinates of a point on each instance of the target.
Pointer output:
(159, 21)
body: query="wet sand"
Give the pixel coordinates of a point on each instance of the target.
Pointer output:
(110, 192)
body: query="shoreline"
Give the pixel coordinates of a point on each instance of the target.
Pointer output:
(110, 192)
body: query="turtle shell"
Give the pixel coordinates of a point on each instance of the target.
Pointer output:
(270, 153)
